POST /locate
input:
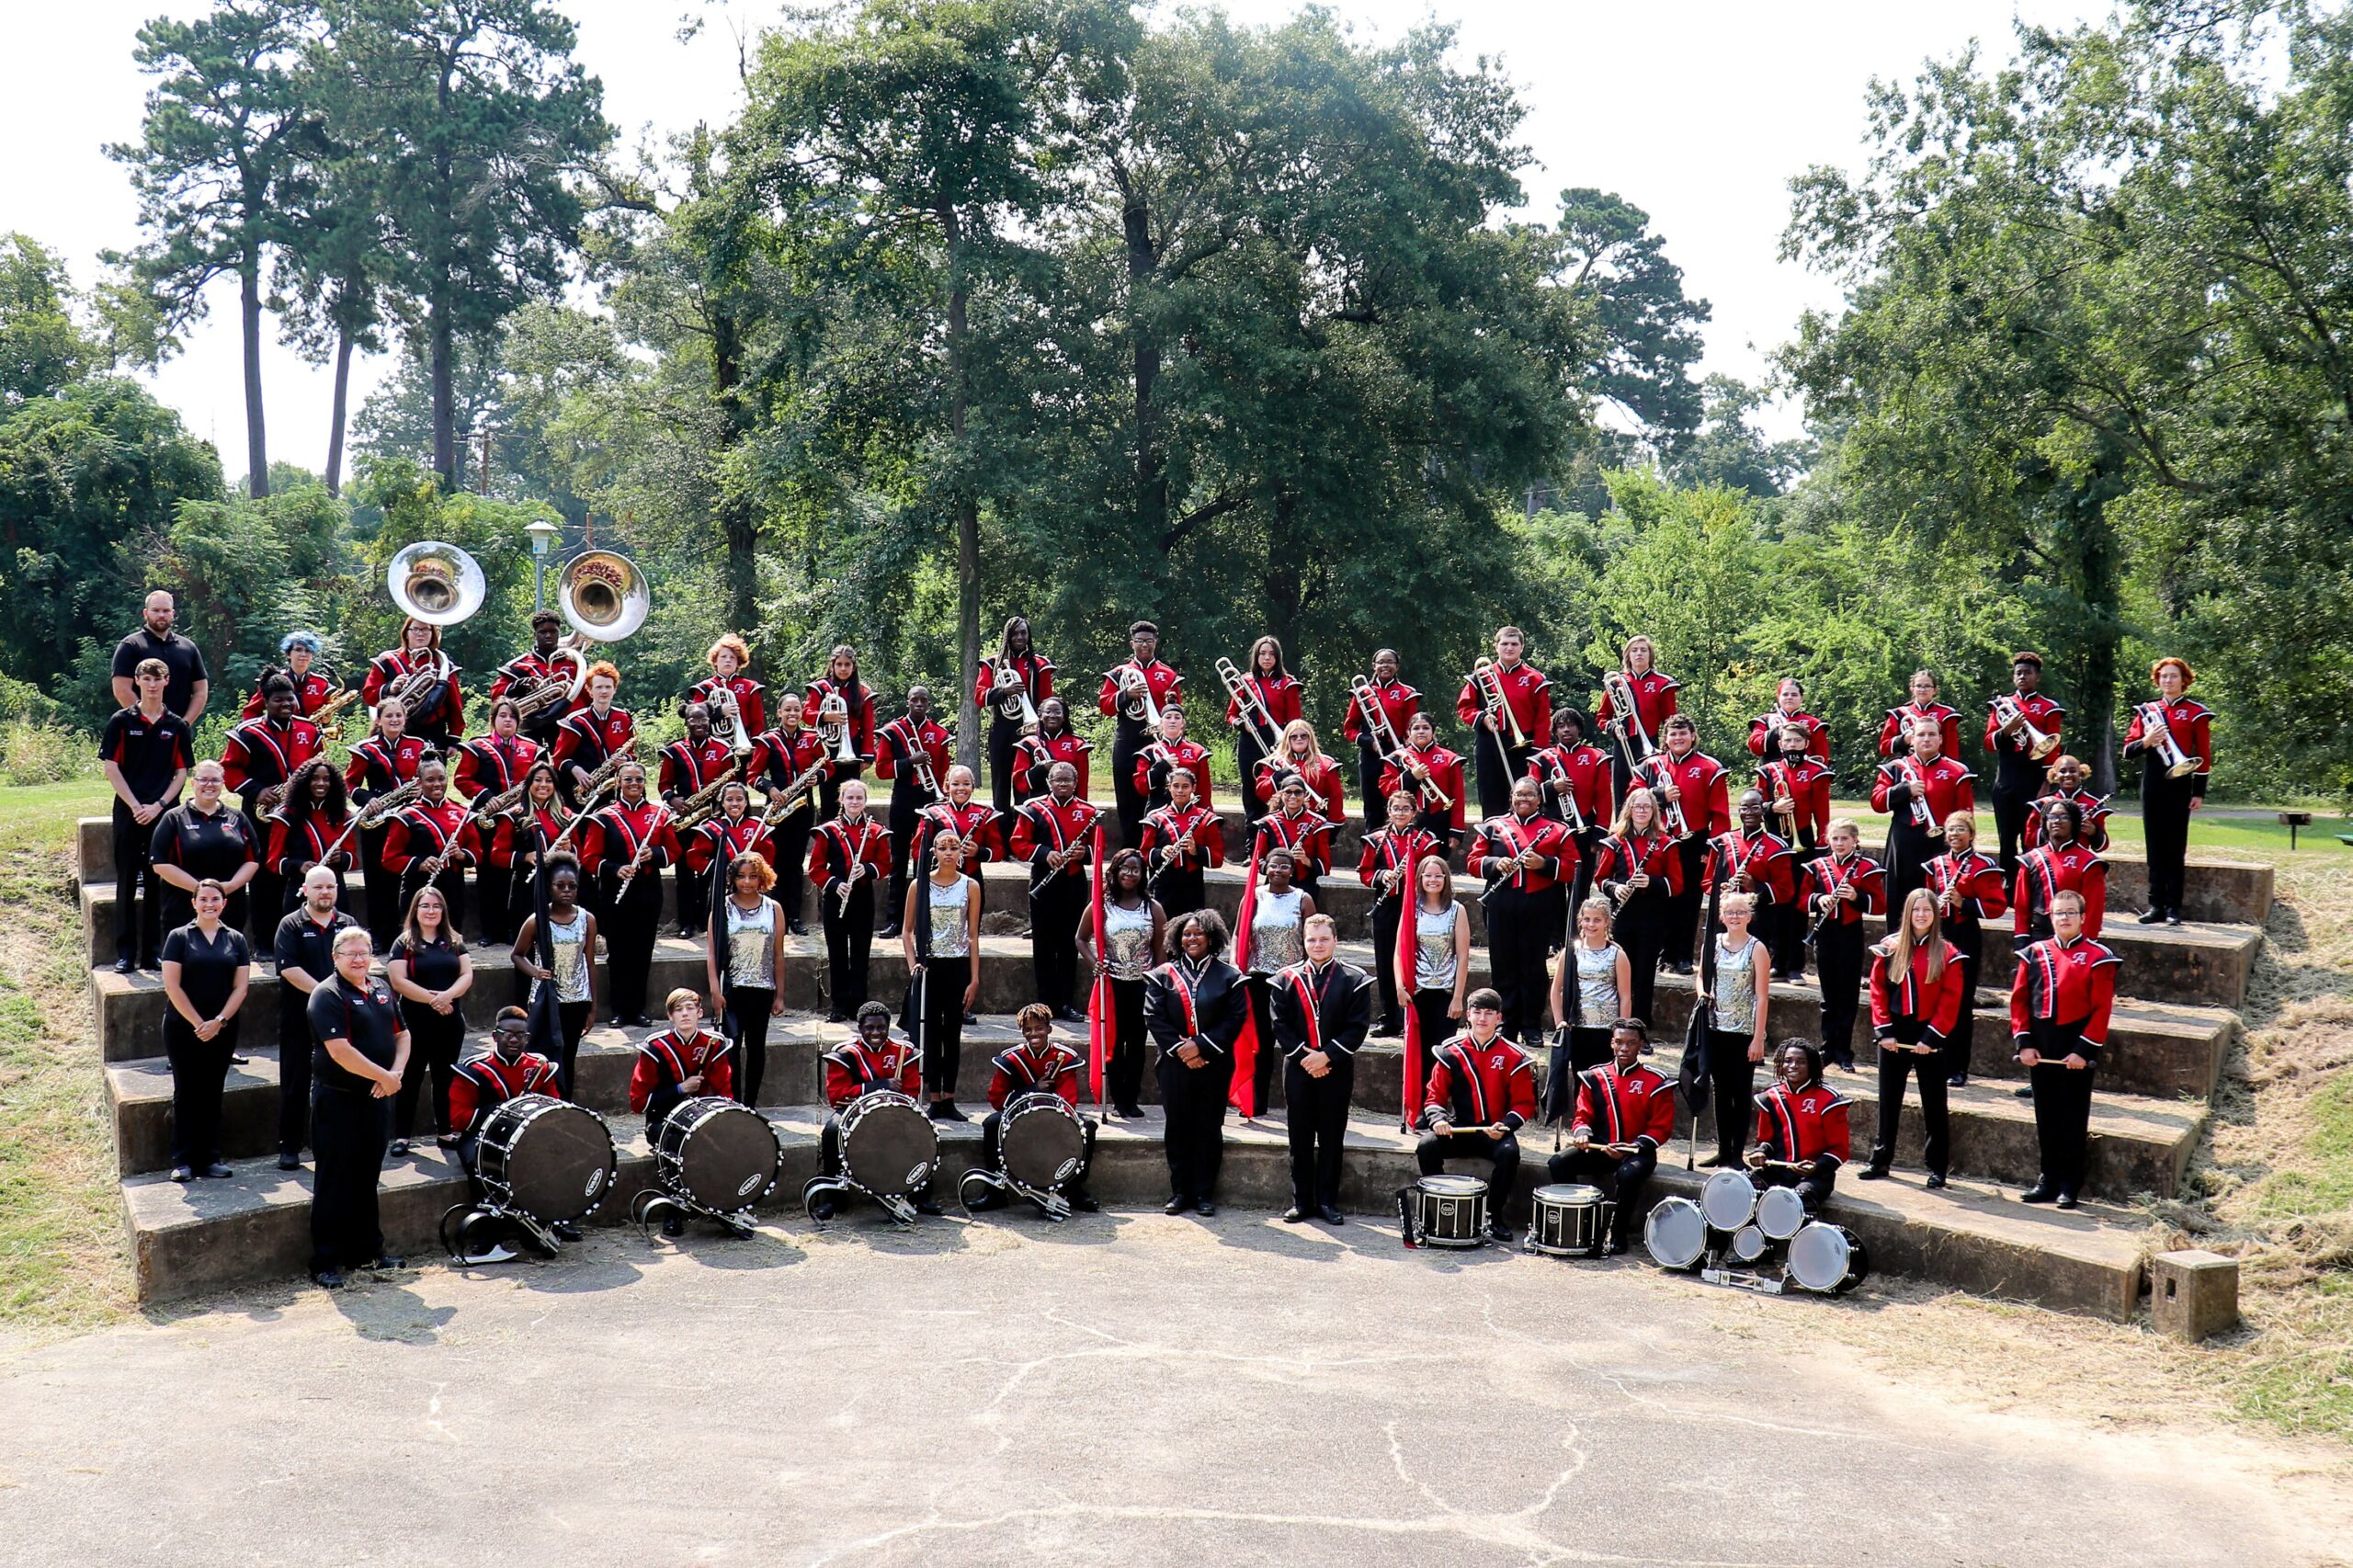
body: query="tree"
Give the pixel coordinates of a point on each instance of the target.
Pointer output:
(1729, 449)
(224, 131)
(42, 347)
(1639, 335)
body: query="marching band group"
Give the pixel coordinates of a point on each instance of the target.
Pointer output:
(1609, 847)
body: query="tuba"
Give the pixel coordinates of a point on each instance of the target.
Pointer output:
(438, 584)
(603, 595)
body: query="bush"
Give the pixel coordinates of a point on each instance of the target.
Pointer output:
(35, 752)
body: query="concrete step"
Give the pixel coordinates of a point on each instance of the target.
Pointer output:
(213, 1235)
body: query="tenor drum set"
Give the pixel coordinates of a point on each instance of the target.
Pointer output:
(1749, 1240)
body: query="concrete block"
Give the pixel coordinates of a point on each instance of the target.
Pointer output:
(2194, 1294)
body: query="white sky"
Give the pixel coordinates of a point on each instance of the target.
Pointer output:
(1698, 111)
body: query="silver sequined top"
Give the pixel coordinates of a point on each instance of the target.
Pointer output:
(571, 957)
(1434, 945)
(1597, 984)
(950, 935)
(751, 945)
(1127, 940)
(1275, 931)
(1735, 996)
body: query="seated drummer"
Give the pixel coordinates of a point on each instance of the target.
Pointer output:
(1485, 1086)
(869, 1061)
(1800, 1128)
(488, 1081)
(1039, 1064)
(676, 1065)
(1631, 1109)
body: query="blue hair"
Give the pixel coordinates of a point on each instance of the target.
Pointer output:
(307, 641)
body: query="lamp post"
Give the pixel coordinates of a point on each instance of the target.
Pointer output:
(543, 537)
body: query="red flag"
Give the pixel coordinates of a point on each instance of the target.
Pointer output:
(1100, 1021)
(1242, 1091)
(1407, 959)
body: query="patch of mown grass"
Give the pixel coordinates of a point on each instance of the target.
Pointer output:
(2322, 1181)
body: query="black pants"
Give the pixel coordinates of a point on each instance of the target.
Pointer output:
(2165, 824)
(1318, 1113)
(1896, 1068)
(1682, 936)
(265, 894)
(138, 922)
(1179, 891)
(694, 900)
(1194, 1099)
(1386, 915)
(2011, 807)
(1732, 1078)
(792, 868)
(993, 1132)
(1521, 926)
(571, 1022)
(1368, 769)
(1123, 1073)
(434, 1042)
(1432, 1152)
(2062, 1105)
(382, 889)
(1128, 741)
(1641, 929)
(1005, 737)
(352, 1127)
(1909, 850)
(1621, 1182)
(943, 1021)
(1969, 940)
(1246, 757)
(1783, 928)
(295, 1046)
(747, 1018)
(199, 1073)
(849, 943)
(1055, 903)
(1839, 957)
(829, 790)
(452, 885)
(630, 921)
(907, 802)
(1499, 765)
(1429, 1013)
(494, 918)
(1589, 1047)
(1813, 1191)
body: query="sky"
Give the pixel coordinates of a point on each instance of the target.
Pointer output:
(1698, 111)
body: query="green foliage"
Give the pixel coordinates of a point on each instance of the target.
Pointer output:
(246, 571)
(42, 347)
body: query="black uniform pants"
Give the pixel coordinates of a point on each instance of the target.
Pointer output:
(2011, 807)
(1429, 1013)
(943, 1022)
(1968, 939)
(1897, 1067)
(1128, 741)
(1246, 757)
(1683, 910)
(137, 921)
(199, 1073)
(434, 1042)
(1005, 737)
(1432, 1152)
(1838, 955)
(630, 921)
(294, 1044)
(1621, 1182)
(1318, 1113)
(494, 918)
(382, 887)
(265, 894)
(1520, 936)
(2062, 1105)
(1368, 769)
(1732, 1078)
(1194, 1101)
(1055, 903)
(1589, 1047)
(747, 1020)
(693, 890)
(1499, 765)
(2165, 824)
(571, 1022)
(1784, 933)
(849, 943)
(1179, 891)
(829, 790)
(907, 800)
(1909, 850)
(792, 868)
(1641, 929)
(352, 1127)
(1386, 915)
(1123, 1073)
(1813, 1191)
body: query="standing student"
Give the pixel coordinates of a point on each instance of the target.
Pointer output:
(1915, 1002)
(362, 1052)
(2175, 732)
(687, 768)
(520, 838)
(1168, 752)
(1180, 841)
(850, 857)
(1009, 688)
(781, 762)
(1052, 742)
(572, 968)
(1738, 988)
(1322, 1009)
(1508, 708)
(2060, 1005)
(1433, 775)
(1895, 733)
(304, 955)
(1693, 787)
(1918, 791)
(1528, 860)
(1386, 865)
(1640, 873)
(1276, 707)
(625, 846)
(2017, 767)
(1841, 889)
(430, 971)
(259, 762)
(388, 759)
(1577, 781)
(1796, 786)
(303, 831)
(1054, 834)
(201, 837)
(147, 750)
(208, 966)
(941, 921)
(1968, 892)
(1398, 703)
(1134, 925)
(1590, 988)
(488, 767)
(1195, 1008)
(1132, 695)
(841, 704)
(2061, 863)
(744, 963)
(912, 752)
(1439, 976)
(436, 707)
(431, 842)
(1789, 712)
(1635, 730)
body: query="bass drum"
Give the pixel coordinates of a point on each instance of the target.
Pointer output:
(1729, 1199)
(889, 1146)
(1827, 1259)
(717, 1154)
(1676, 1233)
(1042, 1144)
(1781, 1212)
(547, 1159)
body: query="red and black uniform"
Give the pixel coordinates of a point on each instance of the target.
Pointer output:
(1132, 732)
(1706, 808)
(1772, 871)
(751, 700)
(1006, 718)
(1635, 1107)
(2045, 873)
(1808, 1125)
(258, 757)
(973, 823)
(439, 716)
(1525, 910)
(377, 768)
(1655, 704)
(1207, 1006)
(1914, 1020)
(1907, 789)
(489, 767)
(484, 1083)
(1481, 1084)
(1592, 787)
(428, 831)
(299, 841)
(2167, 802)
(1034, 758)
(2017, 777)
(1177, 879)
(1386, 851)
(1838, 941)
(1895, 731)
(1446, 772)
(859, 698)
(1327, 790)
(1398, 702)
(717, 843)
(665, 1062)
(837, 852)
(2096, 811)
(686, 770)
(914, 758)
(778, 763)
(629, 913)
(2060, 1003)
(1500, 761)
(852, 1070)
(1043, 826)
(1807, 784)
(1280, 703)
(1158, 761)
(586, 740)
(1308, 836)
(1640, 926)
(313, 691)
(1325, 1007)
(519, 677)
(1765, 734)
(1019, 1070)
(1968, 892)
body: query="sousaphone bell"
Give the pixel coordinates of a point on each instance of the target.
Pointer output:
(436, 583)
(604, 594)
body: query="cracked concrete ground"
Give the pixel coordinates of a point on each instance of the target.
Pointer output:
(1127, 1389)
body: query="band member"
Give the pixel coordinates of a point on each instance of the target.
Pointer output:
(1736, 984)
(941, 932)
(625, 846)
(1168, 752)
(1802, 1132)
(683, 1063)
(2066, 777)
(1625, 1111)
(424, 680)
(963, 814)
(1133, 694)
(1055, 742)
(1273, 922)
(431, 842)
(2178, 726)
(1054, 835)
(1386, 865)
(1398, 703)
(1009, 688)
(259, 758)
(187, 687)
(488, 1081)
(730, 659)
(308, 830)
(1796, 785)
(1918, 791)
(1301, 757)
(1481, 1090)
(1134, 927)
(869, 1062)
(1576, 782)
(1895, 733)
(1439, 974)
(517, 840)
(837, 700)
(2064, 862)
(1916, 979)
(912, 752)
(1322, 1009)
(208, 972)
(2059, 1002)
(201, 839)
(1195, 1007)
(1526, 858)
(1693, 793)
(1839, 889)
(1788, 708)
(687, 768)
(1633, 736)
(1640, 873)
(587, 739)
(718, 841)
(1754, 861)
(572, 943)
(302, 953)
(850, 857)
(1433, 775)
(1294, 825)
(146, 750)
(1590, 985)
(744, 965)
(1180, 841)
(313, 687)
(1526, 712)
(361, 1053)
(430, 973)
(1274, 694)
(523, 675)
(488, 767)
(1968, 890)
(2017, 771)
(1039, 1064)
(782, 762)
(384, 762)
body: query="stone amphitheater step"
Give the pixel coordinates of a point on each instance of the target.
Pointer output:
(213, 1235)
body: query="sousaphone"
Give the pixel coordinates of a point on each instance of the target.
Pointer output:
(604, 594)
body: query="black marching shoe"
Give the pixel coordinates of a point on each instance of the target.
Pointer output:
(1872, 1172)
(820, 1209)
(1936, 1182)
(1294, 1215)
(971, 1020)
(2040, 1192)
(675, 1226)
(1958, 1081)
(218, 1171)
(124, 966)
(890, 928)
(948, 1110)
(1204, 1207)
(2025, 1092)
(389, 1262)
(1176, 1205)
(328, 1278)
(289, 1160)
(928, 1206)
(796, 927)
(1617, 1248)
(400, 1147)
(566, 1231)
(2155, 916)
(1085, 1202)
(2067, 1201)
(1500, 1233)
(1128, 1112)
(1330, 1215)
(2173, 917)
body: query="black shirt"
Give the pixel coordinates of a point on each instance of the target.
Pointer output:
(433, 965)
(207, 968)
(302, 943)
(149, 751)
(202, 845)
(365, 1017)
(176, 652)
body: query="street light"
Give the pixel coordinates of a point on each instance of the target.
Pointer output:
(543, 537)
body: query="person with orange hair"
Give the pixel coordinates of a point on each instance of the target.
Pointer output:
(2173, 736)
(729, 658)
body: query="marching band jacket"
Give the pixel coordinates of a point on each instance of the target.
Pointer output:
(1808, 1125)
(1824, 876)
(1034, 757)
(1652, 854)
(1634, 1106)
(1654, 702)
(590, 739)
(1325, 1007)
(1526, 694)
(1166, 684)
(1593, 783)
(614, 835)
(2096, 814)
(718, 841)
(1278, 694)
(2193, 724)
(842, 844)
(1704, 785)
(534, 667)
(1386, 849)
(1037, 673)
(1020, 1070)
(1446, 772)
(1166, 825)
(779, 760)
(2070, 988)
(261, 756)
(974, 823)
(1207, 1004)
(313, 692)
(522, 834)
(424, 830)
(1158, 760)
(378, 766)
(1765, 734)
(1898, 725)
(1944, 784)
(2045, 873)
(442, 713)
(859, 698)
(898, 744)
(1326, 785)
(686, 768)
(488, 765)
(1045, 825)
(666, 1061)
(1808, 788)
(1976, 882)
(1910, 997)
(1307, 836)
(1500, 839)
(489, 1081)
(293, 849)
(751, 699)
(1399, 703)
(1474, 1085)
(1768, 861)
(851, 1070)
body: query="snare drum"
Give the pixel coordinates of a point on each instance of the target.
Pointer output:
(1827, 1259)
(546, 1159)
(889, 1146)
(1451, 1211)
(1565, 1218)
(717, 1154)
(1729, 1201)
(1781, 1212)
(1041, 1143)
(1749, 1245)
(1675, 1234)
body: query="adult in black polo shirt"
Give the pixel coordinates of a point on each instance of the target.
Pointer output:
(362, 1051)
(202, 838)
(304, 950)
(207, 968)
(147, 750)
(185, 690)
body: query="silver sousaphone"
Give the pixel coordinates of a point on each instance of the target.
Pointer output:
(604, 594)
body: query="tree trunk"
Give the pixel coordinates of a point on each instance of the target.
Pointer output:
(256, 441)
(968, 532)
(341, 415)
(1151, 471)
(445, 414)
(738, 520)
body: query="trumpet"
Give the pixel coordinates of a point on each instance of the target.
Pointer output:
(1633, 738)
(833, 726)
(1135, 687)
(1250, 711)
(1489, 682)
(2157, 735)
(1010, 692)
(2039, 744)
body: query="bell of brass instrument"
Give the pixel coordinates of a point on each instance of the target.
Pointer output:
(436, 583)
(1632, 735)
(1011, 695)
(1138, 694)
(2039, 744)
(833, 728)
(2157, 731)
(1376, 717)
(730, 712)
(703, 804)
(603, 595)
(1489, 682)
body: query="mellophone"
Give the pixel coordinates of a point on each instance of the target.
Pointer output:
(1735, 1230)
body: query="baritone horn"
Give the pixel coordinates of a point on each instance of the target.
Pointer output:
(436, 583)
(604, 594)
(2039, 744)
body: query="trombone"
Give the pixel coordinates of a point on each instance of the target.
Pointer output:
(1489, 682)
(1392, 750)
(1250, 709)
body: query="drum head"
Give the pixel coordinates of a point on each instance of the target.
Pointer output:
(1452, 1186)
(1747, 1244)
(1041, 1142)
(1567, 1194)
(1780, 1213)
(558, 1160)
(1676, 1233)
(1825, 1257)
(1729, 1199)
(729, 1158)
(888, 1146)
